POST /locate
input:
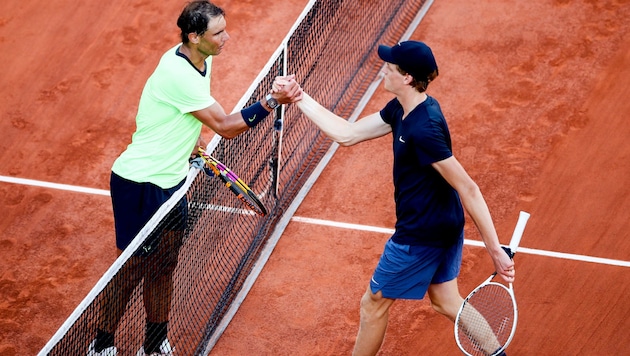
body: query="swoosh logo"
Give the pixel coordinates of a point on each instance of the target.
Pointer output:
(375, 282)
(251, 119)
(401, 139)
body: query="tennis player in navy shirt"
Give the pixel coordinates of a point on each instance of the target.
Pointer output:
(431, 190)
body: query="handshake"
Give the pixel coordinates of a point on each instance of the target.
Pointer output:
(286, 90)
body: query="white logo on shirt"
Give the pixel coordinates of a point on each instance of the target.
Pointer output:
(401, 139)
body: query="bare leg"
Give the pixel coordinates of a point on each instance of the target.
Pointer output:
(117, 293)
(158, 289)
(478, 331)
(158, 278)
(374, 316)
(446, 300)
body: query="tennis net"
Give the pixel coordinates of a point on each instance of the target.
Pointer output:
(203, 236)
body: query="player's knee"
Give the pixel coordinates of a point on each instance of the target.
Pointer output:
(374, 306)
(168, 254)
(438, 307)
(448, 307)
(445, 298)
(170, 263)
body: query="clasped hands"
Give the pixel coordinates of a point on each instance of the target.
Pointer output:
(286, 90)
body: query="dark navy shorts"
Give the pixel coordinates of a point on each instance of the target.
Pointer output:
(405, 272)
(135, 203)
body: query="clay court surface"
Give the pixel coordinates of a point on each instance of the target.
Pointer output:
(537, 96)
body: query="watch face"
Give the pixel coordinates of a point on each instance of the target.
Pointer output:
(273, 103)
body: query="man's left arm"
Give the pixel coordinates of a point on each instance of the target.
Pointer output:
(475, 204)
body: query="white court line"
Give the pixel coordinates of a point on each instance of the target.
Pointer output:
(521, 250)
(221, 208)
(38, 183)
(74, 188)
(383, 230)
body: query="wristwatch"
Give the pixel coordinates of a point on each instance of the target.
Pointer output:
(271, 102)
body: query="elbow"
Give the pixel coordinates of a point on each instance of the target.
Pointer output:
(227, 135)
(469, 194)
(348, 143)
(345, 140)
(472, 190)
(227, 131)
(345, 143)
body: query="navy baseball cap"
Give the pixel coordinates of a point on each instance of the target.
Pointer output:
(414, 57)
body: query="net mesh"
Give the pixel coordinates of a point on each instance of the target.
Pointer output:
(203, 243)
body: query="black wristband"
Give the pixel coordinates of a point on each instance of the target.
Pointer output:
(254, 114)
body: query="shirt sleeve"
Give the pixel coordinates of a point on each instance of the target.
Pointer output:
(388, 113)
(432, 144)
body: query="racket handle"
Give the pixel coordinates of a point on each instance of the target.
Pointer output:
(518, 231)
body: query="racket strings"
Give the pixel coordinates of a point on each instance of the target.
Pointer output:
(486, 321)
(242, 191)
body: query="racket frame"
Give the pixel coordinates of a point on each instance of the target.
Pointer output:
(488, 282)
(242, 191)
(511, 251)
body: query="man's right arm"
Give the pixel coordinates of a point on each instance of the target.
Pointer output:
(227, 126)
(340, 130)
(230, 126)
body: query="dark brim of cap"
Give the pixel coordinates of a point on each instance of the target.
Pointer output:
(385, 53)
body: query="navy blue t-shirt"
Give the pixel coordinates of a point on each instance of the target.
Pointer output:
(428, 209)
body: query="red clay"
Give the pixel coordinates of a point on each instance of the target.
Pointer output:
(536, 94)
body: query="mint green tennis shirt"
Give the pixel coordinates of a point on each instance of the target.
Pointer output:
(166, 132)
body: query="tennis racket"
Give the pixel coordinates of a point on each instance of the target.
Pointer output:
(232, 181)
(486, 321)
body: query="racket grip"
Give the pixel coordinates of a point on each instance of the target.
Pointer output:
(518, 231)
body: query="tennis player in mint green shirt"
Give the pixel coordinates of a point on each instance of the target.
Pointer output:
(166, 129)
(175, 103)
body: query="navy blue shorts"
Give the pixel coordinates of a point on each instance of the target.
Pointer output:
(405, 272)
(135, 203)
